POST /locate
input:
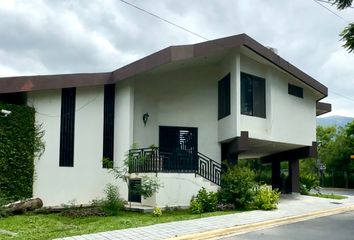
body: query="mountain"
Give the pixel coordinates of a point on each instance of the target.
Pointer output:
(334, 120)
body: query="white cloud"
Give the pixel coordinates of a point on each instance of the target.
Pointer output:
(63, 36)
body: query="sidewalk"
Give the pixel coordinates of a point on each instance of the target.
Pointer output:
(289, 206)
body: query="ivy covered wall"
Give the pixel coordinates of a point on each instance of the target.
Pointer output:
(18, 144)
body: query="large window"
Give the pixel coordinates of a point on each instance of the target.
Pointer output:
(67, 124)
(253, 95)
(108, 125)
(224, 97)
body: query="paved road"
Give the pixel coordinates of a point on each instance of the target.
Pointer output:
(339, 227)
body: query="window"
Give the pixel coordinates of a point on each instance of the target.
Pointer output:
(295, 91)
(253, 95)
(134, 194)
(67, 127)
(108, 125)
(224, 97)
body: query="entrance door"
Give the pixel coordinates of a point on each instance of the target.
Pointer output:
(179, 148)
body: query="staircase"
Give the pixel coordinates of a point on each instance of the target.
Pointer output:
(148, 160)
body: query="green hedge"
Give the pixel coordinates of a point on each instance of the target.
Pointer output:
(18, 144)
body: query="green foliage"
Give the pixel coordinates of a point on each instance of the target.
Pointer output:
(21, 142)
(157, 212)
(3, 210)
(308, 181)
(342, 4)
(204, 202)
(266, 198)
(149, 186)
(112, 204)
(107, 162)
(196, 206)
(237, 185)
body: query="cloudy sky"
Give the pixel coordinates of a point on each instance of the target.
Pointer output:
(69, 36)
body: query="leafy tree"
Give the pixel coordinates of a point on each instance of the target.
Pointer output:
(348, 33)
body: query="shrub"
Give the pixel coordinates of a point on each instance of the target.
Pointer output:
(3, 210)
(149, 186)
(266, 198)
(157, 212)
(208, 201)
(196, 206)
(237, 185)
(112, 203)
(308, 181)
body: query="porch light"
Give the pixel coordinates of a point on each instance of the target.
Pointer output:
(145, 118)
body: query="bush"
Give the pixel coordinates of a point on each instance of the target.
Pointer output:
(196, 206)
(204, 201)
(112, 203)
(266, 198)
(157, 212)
(308, 181)
(3, 210)
(237, 185)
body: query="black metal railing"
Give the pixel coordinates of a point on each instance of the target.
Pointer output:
(176, 161)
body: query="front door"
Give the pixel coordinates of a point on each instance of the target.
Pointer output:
(179, 148)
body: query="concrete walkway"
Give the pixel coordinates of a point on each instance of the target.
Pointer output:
(289, 206)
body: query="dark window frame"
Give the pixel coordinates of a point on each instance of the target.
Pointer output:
(224, 97)
(108, 125)
(295, 90)
(253, 95)
(134, 194)
(67, 127)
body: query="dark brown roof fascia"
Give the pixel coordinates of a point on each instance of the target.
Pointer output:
(322, 108)
(42, 82)
(165, 56)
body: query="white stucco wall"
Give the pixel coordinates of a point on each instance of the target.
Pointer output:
(184, 98)
(289, 119)
(87, 179)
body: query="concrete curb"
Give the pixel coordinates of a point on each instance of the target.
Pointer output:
(239, 229)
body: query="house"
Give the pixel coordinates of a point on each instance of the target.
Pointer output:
(229, 98)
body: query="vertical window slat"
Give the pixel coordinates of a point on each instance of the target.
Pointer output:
(108, 125)
(67, 127)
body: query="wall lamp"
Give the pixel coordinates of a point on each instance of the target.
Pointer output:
(145, 118)
(5, 112)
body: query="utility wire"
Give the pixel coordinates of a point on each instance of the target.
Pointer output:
(318, 2)
(165, 20)
(341, 95)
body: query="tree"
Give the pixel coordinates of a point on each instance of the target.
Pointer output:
(348, 33)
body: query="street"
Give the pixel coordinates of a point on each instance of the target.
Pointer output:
(339, 227)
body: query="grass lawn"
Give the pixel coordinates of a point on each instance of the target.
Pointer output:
(330, 196)
(49, 226)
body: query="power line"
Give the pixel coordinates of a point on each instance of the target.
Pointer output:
(318, 2)
(341, 95)
(165, 20)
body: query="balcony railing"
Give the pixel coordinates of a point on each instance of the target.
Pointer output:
(144, 160)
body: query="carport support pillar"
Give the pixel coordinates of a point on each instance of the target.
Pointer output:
(294, 172)
(276, 179)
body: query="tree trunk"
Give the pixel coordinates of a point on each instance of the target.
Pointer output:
(24, 206)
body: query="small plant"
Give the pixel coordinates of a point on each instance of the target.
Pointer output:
(308, 181)
(157, 212)
(266, 198)
(196, 206)
(207, 201)
(112, 204)
(107, 162)
(149, 186)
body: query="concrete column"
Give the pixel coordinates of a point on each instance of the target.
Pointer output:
(276, 180)
(294, 172)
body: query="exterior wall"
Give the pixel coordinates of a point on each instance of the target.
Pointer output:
(174, 190)
(227, 126)
(289, 119)
(187, 98)
(87, 179)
